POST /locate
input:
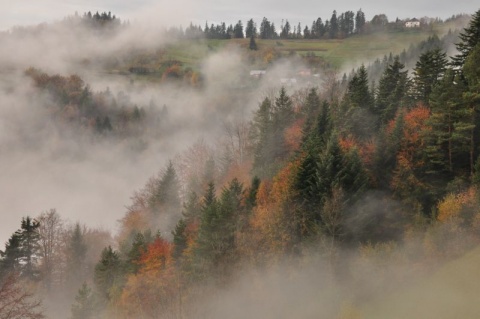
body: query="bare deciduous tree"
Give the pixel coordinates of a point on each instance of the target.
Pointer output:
(16, 302)
(51, 232)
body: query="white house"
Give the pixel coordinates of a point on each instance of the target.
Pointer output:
(414, 23)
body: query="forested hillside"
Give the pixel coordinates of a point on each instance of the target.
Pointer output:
(333, 197)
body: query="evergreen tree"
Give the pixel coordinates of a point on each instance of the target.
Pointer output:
(179, 238)
(108, 273)
(251, 29)
(286, 31)
(358, 93)
(10, 257)
(356, 115)
(29, 247)
(138, 248)
(429, 69)
(262, 137)
(392, 91)
(471, 71)
(333, 32)
(76, 253)
(469, 38)
(359, 21)
(238, 30)
(448, 141)
(251, 200)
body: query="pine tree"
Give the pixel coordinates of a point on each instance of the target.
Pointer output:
(358, 93)
(108, 274)
(429, 70)
(251, 199)
(29, 247)
(471, 71)
(359, 21)
(238, 30)
(333, 32)
(10, 257)
(138, 248)
(469, 38)
(251, 29)
(76, 254)
(261, 135)
(392, 91)
(451, 123)
(179, 239)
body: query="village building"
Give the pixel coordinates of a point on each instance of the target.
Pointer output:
(414, 23)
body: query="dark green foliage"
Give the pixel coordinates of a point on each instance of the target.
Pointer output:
(359, 21)
(108, 273)
(238, 30)
(333, 31)
(267, 29)
(318, 29)
(10, 257)
(29, 247)
(179, 239)
(283, 114)
(346, 24)
(308, 197)
(312, 104)
(469, 38)
(392, 91)
(252, 45)
(451, 122)
(251, 200)
(286, 31)
(268, 134)
(358, 93)
(357, 116)
(251, 29)
(22, 251)
(138, 248)
(429, 69)
(321, 173)
(216, 235)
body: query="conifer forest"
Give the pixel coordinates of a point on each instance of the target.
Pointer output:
(253, 169)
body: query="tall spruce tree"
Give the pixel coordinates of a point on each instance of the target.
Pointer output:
(359, 21)
(251, 29)
(469, 38)
(448, 141)
(29, 247)
(429, 69)
(10, 257)
(392, 91)
(108, 273)
(76, 254)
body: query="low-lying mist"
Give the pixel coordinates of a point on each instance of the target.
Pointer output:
(86, 177)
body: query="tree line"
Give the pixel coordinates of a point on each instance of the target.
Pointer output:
(359, 170)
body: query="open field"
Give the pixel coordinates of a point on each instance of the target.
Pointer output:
(338, 53)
